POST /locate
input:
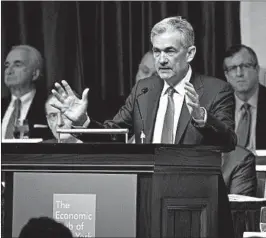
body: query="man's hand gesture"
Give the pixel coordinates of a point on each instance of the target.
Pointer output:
(69, 104)
(197, 111)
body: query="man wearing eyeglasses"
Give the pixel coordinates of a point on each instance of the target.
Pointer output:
(241, 69)
(55, 120)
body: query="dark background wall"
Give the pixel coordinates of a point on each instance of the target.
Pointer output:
(99, 44)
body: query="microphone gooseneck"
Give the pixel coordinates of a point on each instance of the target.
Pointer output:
(142, 134)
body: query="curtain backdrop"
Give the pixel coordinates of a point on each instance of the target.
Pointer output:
(99, 44)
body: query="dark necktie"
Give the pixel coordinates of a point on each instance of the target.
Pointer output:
(243, 129)
(168, 126)
(13, 119)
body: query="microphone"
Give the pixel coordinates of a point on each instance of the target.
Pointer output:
(143, 91)
(142, 134)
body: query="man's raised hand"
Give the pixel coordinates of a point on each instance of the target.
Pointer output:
(194, 101)
(69, 104)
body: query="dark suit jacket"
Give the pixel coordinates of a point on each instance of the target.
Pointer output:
(215, 95)
(239, 172)
(261, 119)
(35, 115)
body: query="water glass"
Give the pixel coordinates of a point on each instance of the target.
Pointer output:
(263, 219)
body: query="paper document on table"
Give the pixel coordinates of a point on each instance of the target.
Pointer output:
(31, 140)
(261, 168)
(260, 152)
(242, 198)
(254, 234)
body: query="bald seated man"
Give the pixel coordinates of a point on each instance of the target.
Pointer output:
(23, 69)
(146, 67)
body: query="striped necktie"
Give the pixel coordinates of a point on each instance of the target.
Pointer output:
(13, 119)
(168, 126)
(243, 129)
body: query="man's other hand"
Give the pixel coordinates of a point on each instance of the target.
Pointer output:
(197, 112)
(69, 104)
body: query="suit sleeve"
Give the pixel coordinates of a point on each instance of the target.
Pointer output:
(244, 180)
(220, 124)
(123, 119)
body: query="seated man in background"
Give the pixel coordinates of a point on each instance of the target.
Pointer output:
(241, 69)
(25, 104)
(146, 67)
(239, 172)
(56, 120)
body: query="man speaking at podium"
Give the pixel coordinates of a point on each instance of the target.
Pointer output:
(177, 106)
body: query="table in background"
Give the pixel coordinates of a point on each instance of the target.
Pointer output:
(246, 215)
(254, 234)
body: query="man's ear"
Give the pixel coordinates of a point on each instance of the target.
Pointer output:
(191, 53)
(226, 75)
(36, 74)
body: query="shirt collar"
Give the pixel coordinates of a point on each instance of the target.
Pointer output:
(252, 101)
(26, 97)
(180, 87)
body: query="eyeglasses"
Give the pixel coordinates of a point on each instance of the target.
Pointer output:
(233, 69)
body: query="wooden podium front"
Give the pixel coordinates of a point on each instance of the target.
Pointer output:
(177, 187)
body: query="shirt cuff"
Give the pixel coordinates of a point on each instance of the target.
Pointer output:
(200, 122)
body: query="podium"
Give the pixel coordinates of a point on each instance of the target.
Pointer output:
(176, 189)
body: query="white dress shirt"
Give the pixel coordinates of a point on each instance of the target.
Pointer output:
(26, 101)
(178, 97)
(253, 102)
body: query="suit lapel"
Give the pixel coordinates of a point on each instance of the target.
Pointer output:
(185, 116)
(36, 114)
(184, 119)
(149, 104)
(261, 118)
(33, 109)
(198, 84)
(4, 105)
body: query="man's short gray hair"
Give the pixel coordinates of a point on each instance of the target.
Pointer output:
(35, 56)
(172, 24)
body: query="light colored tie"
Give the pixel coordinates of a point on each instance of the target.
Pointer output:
(13, 119)
(243, 129)
(168, 126)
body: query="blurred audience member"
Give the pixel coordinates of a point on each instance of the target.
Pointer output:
(56, 120)
(146, 66)
(44, 227)
(241, 69)
(239, 171)
(23, 68)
